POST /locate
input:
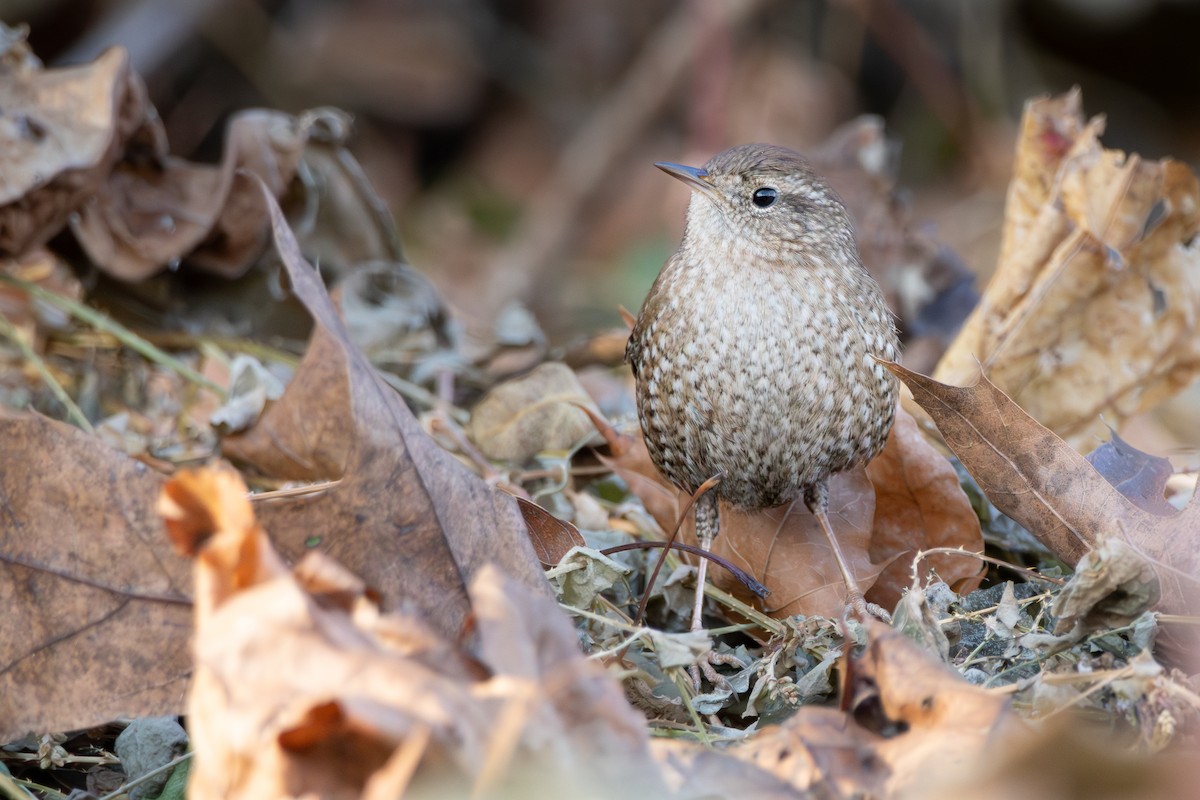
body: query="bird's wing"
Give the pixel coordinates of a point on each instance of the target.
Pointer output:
(633, 347)
(650, 309)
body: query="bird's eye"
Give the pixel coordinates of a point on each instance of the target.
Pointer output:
(764, 197)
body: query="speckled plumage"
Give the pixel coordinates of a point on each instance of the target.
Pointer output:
(753, 349)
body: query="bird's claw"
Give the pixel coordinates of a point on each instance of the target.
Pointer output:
(706, 666)
(858, 607)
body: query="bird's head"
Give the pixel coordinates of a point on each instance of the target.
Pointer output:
(764, 199)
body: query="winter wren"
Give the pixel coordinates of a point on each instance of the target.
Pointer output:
(753, 350)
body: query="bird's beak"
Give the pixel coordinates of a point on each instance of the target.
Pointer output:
(695, 177)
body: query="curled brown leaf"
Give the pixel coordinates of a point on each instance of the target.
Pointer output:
(61, 133)
(149, 214)
(1094, 304)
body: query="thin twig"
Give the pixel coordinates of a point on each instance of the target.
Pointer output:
(294, 491)
(619, 624)
(704, 487)
(743, 577)
(684, 694)
(70, 758)
(978, 613)
(956, 551)
(375, 204)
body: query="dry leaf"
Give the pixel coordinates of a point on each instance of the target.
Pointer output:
(821, 753)
(785, 549)
(551, 537)
(98, 604)
(82, 144)
(708, 772)
(208, 516)
(340, 219)
(289, 698)
(575, 715)
(1067, 759)
(294, 695)
(919, 505)
(944, 725)
(405, 515)
(16, 56)
(251, 386)
(152, 212)
(1112, 586)
(266, 144)
(271, 708)
(1040, 481)
(531, 414)
(61, 132)
(591, 573)
(1139, 476)
(394, 315)
(1093, 307)
(910, 716)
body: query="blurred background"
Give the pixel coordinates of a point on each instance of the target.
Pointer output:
(513, 140)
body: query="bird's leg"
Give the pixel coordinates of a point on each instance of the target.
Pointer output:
(816, 497)
(707, 525)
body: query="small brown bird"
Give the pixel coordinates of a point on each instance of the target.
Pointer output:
(753, 350)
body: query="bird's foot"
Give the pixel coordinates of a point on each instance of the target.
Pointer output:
(858, 607)
(706, 665)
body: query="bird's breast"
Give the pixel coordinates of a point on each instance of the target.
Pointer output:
(762, 375)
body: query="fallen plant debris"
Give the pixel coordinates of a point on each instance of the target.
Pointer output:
(404, 515)
(538, 717)
(1039, 480)
(80, 529)
(1091, 312)
(52, 162)
(311, 690)
(784, 548)
(90, 150)
(531, 414)
(380, 626)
